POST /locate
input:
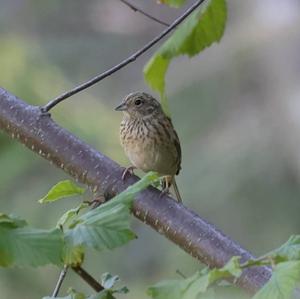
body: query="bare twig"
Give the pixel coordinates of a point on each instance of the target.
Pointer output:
(122, 64)
(91, 281)
(60, 281)
(182, 226)
(137, 9)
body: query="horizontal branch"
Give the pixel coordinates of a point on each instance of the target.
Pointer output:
(179, 224)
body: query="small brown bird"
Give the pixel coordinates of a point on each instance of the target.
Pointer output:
(149, 138)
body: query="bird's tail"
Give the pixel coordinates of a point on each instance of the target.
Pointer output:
(176, 190)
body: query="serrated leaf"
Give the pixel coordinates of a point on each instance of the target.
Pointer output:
(196, 285)
(68, 215)
(173, 3)
(288, 251)
(30, 247)
(107, 226)
(202, 28)
(232, 268)
(108, 280)
(73, 255)
(61, 190)
(126, 197)
(284, 278)
(11, 221)
(106, 229)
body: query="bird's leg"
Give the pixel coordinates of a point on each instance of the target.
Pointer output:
(96, 201)
(128, 170)
(165, 184)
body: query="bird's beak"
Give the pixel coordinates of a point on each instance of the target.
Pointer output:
(121, 107)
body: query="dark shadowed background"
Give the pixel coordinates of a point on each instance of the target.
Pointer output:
(236, 108)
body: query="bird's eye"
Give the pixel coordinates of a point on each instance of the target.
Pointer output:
(137, 102)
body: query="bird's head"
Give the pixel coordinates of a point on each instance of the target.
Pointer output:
(139, 105)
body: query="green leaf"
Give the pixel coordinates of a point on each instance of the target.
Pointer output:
(30, 247)
(192, 287)
(72, 295)
(202, 28)
(232, 268)
(172, 289)
(108, 280)
(123, 290)
(61, 190)
(126, 197)
(11, 221)
(288, 251)
(105, 294)
(155, 72)
(229, 292)
(73, 255)
(68, 215)
(173, 3)
(107, 226)
(106, 229)
(284, 278)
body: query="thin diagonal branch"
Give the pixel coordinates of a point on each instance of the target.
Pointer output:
(60, 281)
(123, 63)
(182, 226)
(137, 9)
(90, 280)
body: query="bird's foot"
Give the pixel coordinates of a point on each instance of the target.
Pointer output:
(127, 170)
(164, 191)
(96, 201)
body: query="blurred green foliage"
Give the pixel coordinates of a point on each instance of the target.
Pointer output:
(234, 108)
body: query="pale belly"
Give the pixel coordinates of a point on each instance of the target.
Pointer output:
(150, 157)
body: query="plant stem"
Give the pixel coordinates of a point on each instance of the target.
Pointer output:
(60, 281)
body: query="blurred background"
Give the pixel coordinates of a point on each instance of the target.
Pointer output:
(236, 108)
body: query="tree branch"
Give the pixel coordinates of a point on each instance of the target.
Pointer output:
(182, 226)
(136, 9)
(122, 64)
(90, 280)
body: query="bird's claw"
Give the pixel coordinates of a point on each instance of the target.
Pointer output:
(164, 191)
(97, 201)
(127, 170)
